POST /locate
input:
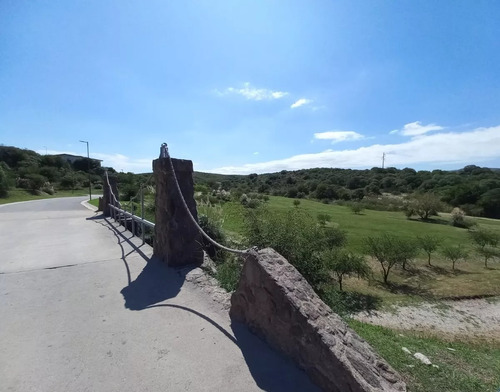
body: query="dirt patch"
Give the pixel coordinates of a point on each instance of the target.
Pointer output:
(473, 318)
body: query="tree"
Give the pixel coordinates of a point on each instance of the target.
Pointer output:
(342, 263)
(405, 250)
(486, 242)
(424, 205)
(490, 201)
(323, 218)
(489, 252)
(454, 254)
(382, 249)
(429, 244)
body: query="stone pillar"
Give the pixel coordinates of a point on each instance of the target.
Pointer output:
(177, 240)
(107, 199)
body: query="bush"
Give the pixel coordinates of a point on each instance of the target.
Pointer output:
(357, 208)
(210, 219)
(4, 184)
(323, 218)
(296, 236)
(48, 188)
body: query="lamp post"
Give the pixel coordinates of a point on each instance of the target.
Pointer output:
(88, 161)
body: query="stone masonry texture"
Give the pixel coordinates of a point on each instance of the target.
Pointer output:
(177, 240)
(278, 304)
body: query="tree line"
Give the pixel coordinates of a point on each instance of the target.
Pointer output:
(474, 189)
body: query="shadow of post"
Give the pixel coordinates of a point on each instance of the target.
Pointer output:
(272, 371)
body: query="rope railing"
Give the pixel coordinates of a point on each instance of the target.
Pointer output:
(165, 154)
(117, 209)
(115, 202)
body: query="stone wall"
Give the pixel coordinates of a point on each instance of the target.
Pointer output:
(278, 304)
(177, 240)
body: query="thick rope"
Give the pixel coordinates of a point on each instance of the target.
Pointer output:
(111, 191)
(165, 154)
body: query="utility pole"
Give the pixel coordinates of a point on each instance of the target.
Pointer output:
(88, 162)
(383, 159)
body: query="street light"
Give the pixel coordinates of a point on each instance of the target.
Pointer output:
(88, 161)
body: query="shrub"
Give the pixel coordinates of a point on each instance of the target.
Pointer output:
(458, 219)
(210, 219)
(4, 184)
(228, 273)
(357, 208)
(323, 218)
(295, 235)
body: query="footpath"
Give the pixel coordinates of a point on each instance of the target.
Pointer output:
(85, 308)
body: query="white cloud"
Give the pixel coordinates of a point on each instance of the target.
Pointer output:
(254, 94)
(300, 102)
(338, 136)
(256, 153)
(442, 148)
(416, 129)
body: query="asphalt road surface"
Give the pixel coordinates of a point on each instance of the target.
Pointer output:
(84, 307)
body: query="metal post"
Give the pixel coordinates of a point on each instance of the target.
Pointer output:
(133, 221)
(142, 214)
(88, 168)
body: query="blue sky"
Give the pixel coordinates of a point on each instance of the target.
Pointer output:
(254, 86)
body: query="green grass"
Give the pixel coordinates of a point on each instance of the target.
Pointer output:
(94, 202)
(16, 195)
(473, 366)
(368, 223)
(422, 282)
(470, 368)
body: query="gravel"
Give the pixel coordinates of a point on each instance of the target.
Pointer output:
(474, 318)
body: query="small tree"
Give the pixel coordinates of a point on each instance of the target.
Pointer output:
(296, 203)
(342, 263)
(429, 244)
(486, 243)
(424, 205)
(489, 252)
(356, 207)
(382, 249)
(454, 254)
(323, 218)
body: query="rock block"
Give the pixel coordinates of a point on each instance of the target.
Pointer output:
(177, 240)
(278, 304)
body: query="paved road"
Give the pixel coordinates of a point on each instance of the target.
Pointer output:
(84, 308)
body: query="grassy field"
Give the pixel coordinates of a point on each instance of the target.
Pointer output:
(472, 366)
(16, 195)
(468, 367)
(421, 282)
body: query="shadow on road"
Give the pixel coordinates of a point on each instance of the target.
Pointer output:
(157, 282)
